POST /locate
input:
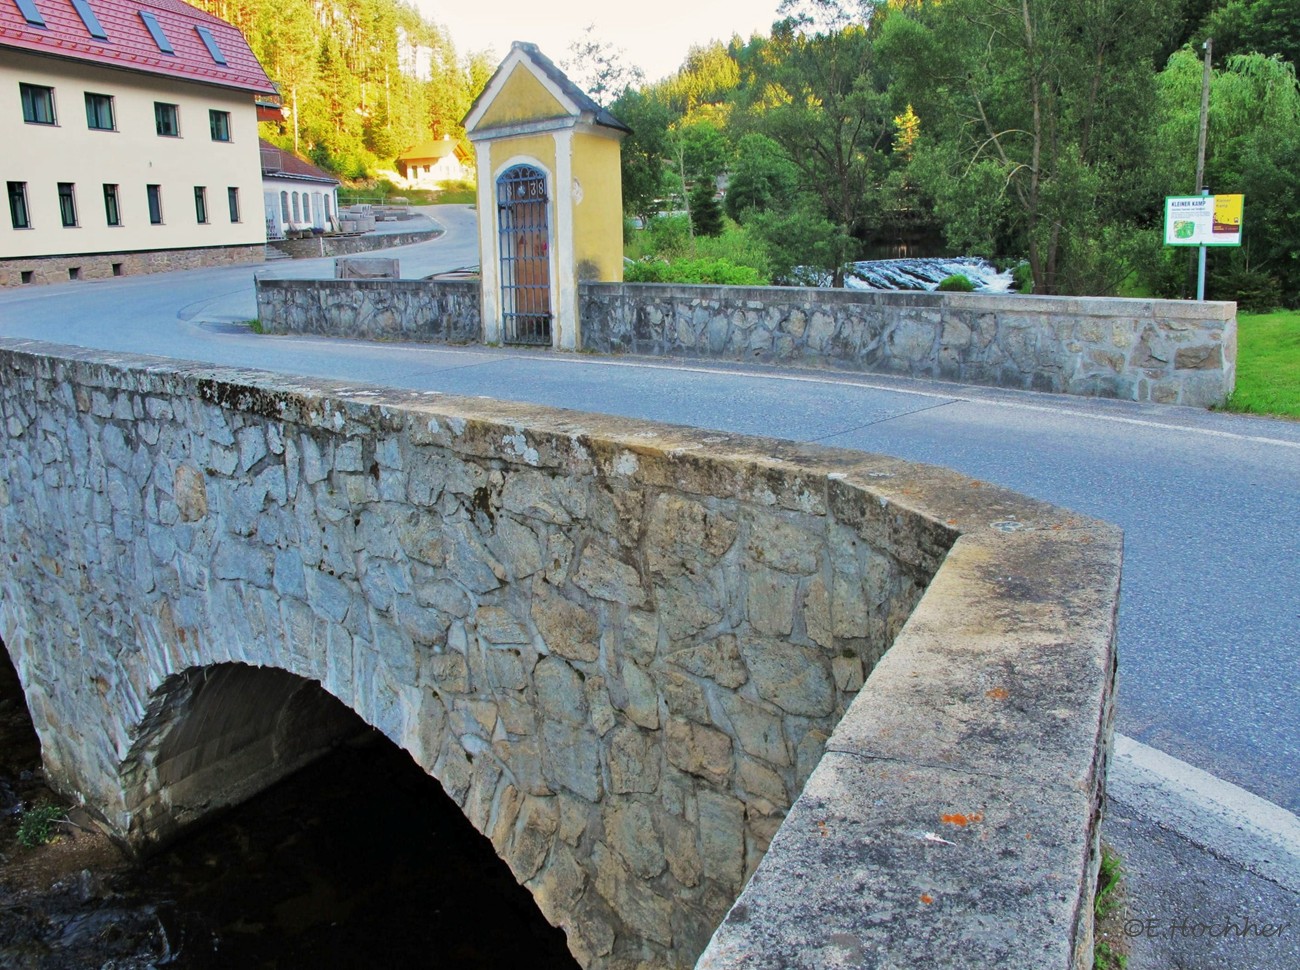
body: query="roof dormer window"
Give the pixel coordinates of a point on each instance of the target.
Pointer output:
(28, 9)
(210, 43)
(89, 19)
(156, 31)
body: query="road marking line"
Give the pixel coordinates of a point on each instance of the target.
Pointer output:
(866, 385)
(1214, 814)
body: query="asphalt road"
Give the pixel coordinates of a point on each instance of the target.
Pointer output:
(1210, 503)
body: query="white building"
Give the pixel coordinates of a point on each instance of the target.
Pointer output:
(296, 195)
(130, 138)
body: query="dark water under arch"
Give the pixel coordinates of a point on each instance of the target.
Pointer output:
(357, 861)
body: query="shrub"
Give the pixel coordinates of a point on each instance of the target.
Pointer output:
(1022, 278)
(1254, 290)
(957, 283)
(36, 827)
(720, 272)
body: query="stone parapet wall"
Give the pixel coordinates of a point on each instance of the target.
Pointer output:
(621, 647)
(1169, 352)
(311, 247)
(98, 266)
(443, 311)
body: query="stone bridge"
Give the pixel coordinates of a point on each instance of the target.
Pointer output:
(655, 666)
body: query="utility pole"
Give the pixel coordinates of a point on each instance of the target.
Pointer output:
(1200, 158)
(1205, 114)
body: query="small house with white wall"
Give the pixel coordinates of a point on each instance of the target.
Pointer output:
(297, 196)
(432, 164)
(130, 139)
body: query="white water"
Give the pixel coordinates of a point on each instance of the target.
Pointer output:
(924, 274)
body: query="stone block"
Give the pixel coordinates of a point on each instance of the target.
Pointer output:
(698, 750)
(795, 679)
(568, 629)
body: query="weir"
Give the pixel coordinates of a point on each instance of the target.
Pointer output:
(858, 707)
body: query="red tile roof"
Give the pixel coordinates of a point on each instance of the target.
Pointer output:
(282, 164)
(129, 45)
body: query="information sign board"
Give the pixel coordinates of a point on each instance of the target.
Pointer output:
(1203, 220)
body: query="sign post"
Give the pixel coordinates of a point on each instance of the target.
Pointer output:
(1203, 220)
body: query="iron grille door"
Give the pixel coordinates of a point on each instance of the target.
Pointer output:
(525, 256)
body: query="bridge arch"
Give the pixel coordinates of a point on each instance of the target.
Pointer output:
(215, 736)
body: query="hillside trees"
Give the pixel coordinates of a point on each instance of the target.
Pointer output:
(1035, 121)
(361, 80)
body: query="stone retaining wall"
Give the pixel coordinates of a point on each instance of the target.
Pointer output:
(312, 247)
(98, 266)
(621, 647)
(1165, 351)
(443, 311)
(1169, 352)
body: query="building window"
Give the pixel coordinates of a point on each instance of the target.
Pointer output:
(67, 204)
(38, 104)
(201, 204)
(210, 43)
(297, 217)
(99, 112)
(232, 196)
(284, 206)
(219, 121)
(167, 118)
(93, 26)
(30, 13)
(155, 205)
(18, 214)
(306, 207)
(156, 32)
(112, 211)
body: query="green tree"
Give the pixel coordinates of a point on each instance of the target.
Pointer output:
(706, 214)
(645, 156)
(1034, 120)
(817, 94)
(763, 177)
(1255, 26)
(1254, 139)
(804, 247)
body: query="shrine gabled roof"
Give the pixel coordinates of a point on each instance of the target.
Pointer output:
(576, 100)
(58, 29)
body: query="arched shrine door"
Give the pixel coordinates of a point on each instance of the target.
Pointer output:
(525, 255)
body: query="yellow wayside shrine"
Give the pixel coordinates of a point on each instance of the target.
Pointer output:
(550, 199)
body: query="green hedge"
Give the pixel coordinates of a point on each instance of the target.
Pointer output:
(721, 272)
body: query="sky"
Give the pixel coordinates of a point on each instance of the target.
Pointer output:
(655, 37)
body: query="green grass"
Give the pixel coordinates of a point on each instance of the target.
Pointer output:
(1108, 882)
(1268, 364)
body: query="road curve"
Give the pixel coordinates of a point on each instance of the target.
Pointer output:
(1210, 612)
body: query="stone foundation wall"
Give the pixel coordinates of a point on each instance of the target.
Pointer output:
(443, 311)
(1169, 352)
(621, 648)
(312, 247)
(61, 269)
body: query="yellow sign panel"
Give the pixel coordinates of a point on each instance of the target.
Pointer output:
(1227, 214)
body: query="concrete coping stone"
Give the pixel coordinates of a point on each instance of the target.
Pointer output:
(954, 819)
(928, 299)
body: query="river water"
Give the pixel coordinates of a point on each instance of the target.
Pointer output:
(358, 861)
